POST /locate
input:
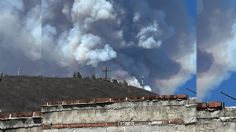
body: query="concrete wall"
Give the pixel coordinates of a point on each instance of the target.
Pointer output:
(125, 111)
(20, 122)
(134, 114)
(165, 128)
(32, 129)
(217, 121)
(159, 114)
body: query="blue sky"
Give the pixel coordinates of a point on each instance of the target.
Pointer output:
(216, 43)
(228, 87)
(191, 84)
(192, 8)
(228, 81)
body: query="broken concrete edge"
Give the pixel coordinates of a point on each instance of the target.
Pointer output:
(210, 106)
(201, 106)
(115, 100)
(207, 106)
(110, 124)
(227, 114)
(19, 115)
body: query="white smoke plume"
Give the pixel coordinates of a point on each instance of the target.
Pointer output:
(188, 64)
(20, 33)
(138, 38)
(131, 80)
(216, 45)
(134, 82)
(146, 37)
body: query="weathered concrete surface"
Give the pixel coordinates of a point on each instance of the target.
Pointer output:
(215, 126)
(132, 114)
(33, 129)
(20, 122)
(155, 115)
(126, 111)
(165, 128)
(217, 121)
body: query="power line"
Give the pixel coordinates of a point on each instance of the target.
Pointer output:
(228, 95)
(191, 90)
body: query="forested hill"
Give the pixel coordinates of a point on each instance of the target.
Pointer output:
(26, 93)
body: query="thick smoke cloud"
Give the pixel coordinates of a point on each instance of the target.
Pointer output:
(204, 61)
(216, 37)
(133, 38)
(20, 35)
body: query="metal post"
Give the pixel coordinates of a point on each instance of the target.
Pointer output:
(106, 72)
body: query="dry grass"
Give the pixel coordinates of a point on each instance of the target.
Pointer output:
(25, 93)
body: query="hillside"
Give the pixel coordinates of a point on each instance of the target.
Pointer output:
(26, 93)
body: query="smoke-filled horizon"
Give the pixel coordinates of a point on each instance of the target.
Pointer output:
(154, 39)
(216, 44)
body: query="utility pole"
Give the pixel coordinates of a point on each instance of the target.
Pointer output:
(106, 70)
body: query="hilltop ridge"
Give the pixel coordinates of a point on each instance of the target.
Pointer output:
(27, 93)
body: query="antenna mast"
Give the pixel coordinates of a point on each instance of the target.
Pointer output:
(106, 72)
(142, 82)
(18, 72)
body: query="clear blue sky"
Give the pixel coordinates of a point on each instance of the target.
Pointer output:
(191, 6)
